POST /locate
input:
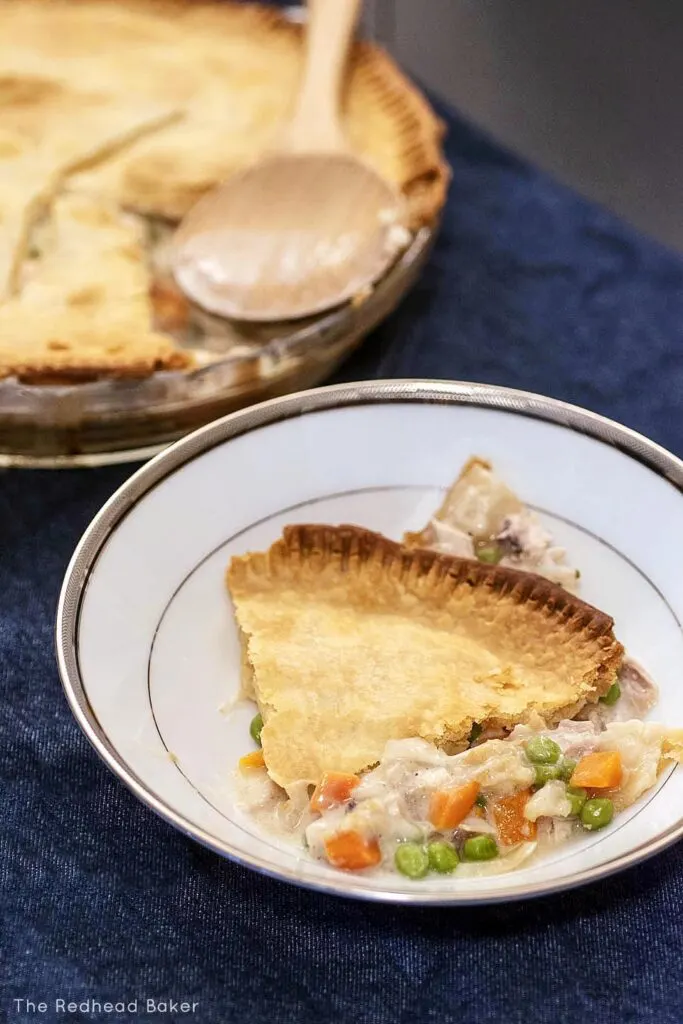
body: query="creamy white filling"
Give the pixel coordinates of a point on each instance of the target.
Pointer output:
(639, 695)
(391, 804)
(549, 802)
(526, 546)
(530, 548)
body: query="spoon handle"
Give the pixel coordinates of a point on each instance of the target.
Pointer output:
(316, 125)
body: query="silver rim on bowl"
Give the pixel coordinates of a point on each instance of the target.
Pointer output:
(208, 437)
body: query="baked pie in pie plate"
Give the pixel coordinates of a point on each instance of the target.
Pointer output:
(114, 119)
(393, 641)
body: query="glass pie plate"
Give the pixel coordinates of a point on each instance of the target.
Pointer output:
(105, 421)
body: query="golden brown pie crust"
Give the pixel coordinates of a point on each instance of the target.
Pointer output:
(425, 537)
(218, 79)
(354, 640)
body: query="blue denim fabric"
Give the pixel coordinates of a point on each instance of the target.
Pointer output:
(528, 286)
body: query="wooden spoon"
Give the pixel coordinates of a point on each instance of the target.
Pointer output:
(309, 225)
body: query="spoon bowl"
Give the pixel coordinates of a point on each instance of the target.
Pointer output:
(291, 236)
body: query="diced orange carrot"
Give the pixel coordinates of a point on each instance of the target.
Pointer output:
(448, 807)
(253, 760)
(333, 788)
(508, 817)
(601, 770)
(352, 851)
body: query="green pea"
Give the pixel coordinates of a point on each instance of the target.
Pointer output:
(490, 554)
(442, 857)
(411, 860)
(597, 813)
(255, 729)
(481, 801)
(567, 767)
(546, 773)
(612, 695)
(577, 798)
(542, 750)
(479, 848)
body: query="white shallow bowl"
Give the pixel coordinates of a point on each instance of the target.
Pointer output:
(148, 648)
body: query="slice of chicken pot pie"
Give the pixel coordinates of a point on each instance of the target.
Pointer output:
(352, 640)
(375, 666)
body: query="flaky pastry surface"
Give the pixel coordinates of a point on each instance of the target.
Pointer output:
(147, 104)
